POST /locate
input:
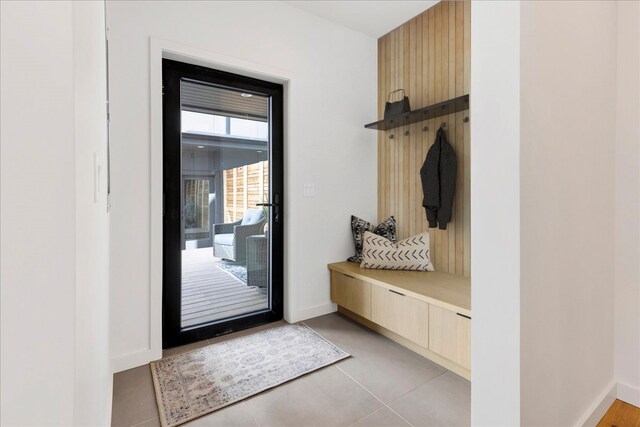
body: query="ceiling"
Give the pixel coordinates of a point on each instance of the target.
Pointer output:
(373, 18)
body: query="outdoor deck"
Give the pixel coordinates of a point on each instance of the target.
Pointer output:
(210, 293)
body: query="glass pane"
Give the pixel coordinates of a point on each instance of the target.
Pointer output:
(249, 128)
(225, 176)
(196, 208)
(203, 123)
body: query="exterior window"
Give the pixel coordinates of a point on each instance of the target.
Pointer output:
(249, 129)
(220, 125)
(203, 123)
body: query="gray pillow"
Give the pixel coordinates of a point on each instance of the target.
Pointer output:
(252, 216)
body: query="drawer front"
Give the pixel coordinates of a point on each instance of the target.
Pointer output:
(351, 293)
(404, 315)
(450, 335)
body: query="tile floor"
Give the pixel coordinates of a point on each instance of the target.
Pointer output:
(382, 384)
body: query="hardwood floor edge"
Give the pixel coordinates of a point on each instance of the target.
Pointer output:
(622, 414)
(599, 406)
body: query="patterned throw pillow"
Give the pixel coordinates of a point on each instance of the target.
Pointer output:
(408, 254)
(385, 229)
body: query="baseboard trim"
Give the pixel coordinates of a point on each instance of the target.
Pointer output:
(614, 390)
(599, 406)
(139, 358)
(628, 393)
(315, 311)
(133, 360)
(109, 403)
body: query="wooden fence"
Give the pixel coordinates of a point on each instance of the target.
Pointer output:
(244, 187)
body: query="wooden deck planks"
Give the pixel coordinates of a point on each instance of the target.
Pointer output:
(210, 293)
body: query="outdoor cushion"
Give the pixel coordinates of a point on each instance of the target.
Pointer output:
(252, 216)
(223, 239)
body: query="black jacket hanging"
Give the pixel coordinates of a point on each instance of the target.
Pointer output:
(438, 175)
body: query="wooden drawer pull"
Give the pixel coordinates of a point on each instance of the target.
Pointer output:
(395, 292)
(462, 315)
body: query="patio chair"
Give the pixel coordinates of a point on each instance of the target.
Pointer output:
(258, 261)
(230, 239)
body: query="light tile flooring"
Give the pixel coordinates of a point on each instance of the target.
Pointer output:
(382, 384)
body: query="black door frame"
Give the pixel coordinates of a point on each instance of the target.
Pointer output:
(172, 73)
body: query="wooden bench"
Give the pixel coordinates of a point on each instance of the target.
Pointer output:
(427, 312)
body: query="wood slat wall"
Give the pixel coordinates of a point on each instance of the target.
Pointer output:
(429, 57)
(244, 187)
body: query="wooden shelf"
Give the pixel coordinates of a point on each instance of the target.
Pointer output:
(443, 108)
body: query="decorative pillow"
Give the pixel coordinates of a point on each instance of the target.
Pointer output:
(252, 216)
(408, 254)
(385, 229)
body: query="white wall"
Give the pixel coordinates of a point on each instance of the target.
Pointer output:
(93, 377)
(38, 213)
(331, 94)
(495, 198)
(54, 339)
(627, 204)
(567, 143)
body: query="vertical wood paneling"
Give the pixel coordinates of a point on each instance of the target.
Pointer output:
(428, 57)
(410, 148)
(390, 82)
(459, 76)
(381, 146)
(418, 133)
(467, 143)
(444, 94)
(393, 161)
(437, 97)
(405, 170)
(431, 76)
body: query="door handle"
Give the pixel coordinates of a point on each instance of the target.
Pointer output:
(275, 206)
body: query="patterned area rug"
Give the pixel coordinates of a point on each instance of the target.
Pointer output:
(196, 383)
(238, 270)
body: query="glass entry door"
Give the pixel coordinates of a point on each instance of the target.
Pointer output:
(222, 150)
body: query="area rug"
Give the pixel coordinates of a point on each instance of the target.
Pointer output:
(238, 270)
(201, 381)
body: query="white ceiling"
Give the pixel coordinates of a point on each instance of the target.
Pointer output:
(373, 18)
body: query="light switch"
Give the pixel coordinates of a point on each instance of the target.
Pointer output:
(309, 190)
